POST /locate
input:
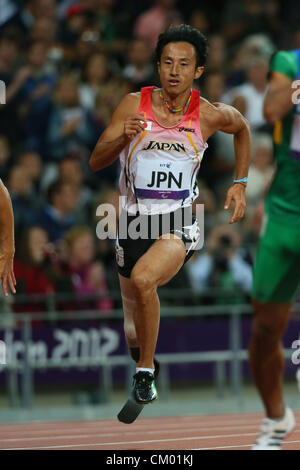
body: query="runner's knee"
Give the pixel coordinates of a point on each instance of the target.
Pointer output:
(266, 327)
(142, 282)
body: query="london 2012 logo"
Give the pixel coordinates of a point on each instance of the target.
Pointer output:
(2, 92)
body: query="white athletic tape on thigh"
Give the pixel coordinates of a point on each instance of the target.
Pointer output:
(126, 299)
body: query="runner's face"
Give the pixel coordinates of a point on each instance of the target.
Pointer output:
(177, 67)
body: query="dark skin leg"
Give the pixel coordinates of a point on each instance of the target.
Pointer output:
(266, 355)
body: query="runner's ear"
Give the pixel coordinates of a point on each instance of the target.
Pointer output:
(198, 72)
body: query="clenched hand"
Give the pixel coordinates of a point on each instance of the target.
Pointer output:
(236, 195)
(133, 126)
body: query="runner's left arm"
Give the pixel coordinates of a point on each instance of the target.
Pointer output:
(231, 121)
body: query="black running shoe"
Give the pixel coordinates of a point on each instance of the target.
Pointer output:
(135, 354)
(144, 390)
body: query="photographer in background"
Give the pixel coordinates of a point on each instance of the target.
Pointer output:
(223, 265)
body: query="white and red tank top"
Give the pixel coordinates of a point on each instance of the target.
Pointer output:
(159, 167)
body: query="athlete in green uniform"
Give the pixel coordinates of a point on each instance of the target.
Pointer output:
(277, 266)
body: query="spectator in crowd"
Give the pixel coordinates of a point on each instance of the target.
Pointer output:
(88, 43)
(64, 6)
(45, 30)
(105, 246)
(95, 76)
(199, 20)
(66, 65)
(9, 49)
(35, 10)
(249, 17)
(24, 202)
(110, 92)
(106, 22)
(109, 196)
(217, 59)
(70, 171)
(88, 276)
(32, 163)
(214, 86)
(261, 170)
(249, 97)
(72, 129)
(34, 269)
(73, 24)
(208, 199)
(254, 46)
(154, 21)
(57, 217)
(23, 14)
(13, 79)
(36, 94)
(223, 265)
(139, 69)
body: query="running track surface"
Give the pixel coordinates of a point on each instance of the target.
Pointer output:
(232, 432)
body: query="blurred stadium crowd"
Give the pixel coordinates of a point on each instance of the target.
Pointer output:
(66, 65)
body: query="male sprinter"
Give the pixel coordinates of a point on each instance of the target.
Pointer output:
(7, 244)
(160, 136)
(277, 266)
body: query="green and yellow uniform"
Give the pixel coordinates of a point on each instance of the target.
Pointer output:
(277, 265)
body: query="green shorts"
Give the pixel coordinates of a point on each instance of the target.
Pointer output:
(276, 276)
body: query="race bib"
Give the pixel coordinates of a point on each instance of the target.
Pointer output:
(162, 179)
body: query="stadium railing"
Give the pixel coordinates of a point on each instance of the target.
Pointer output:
(25, 366)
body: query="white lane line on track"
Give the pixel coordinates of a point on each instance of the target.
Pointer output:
(120, 429)
(101, 444)
(115, 423)
(207, 419)
(244, 445)
(88, 436)
(117, 426)
(223, 447)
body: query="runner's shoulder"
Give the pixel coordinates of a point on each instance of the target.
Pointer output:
(284, 62)
(214, 113)
(128, 105)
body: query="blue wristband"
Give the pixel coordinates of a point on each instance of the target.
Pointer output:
(242, 180)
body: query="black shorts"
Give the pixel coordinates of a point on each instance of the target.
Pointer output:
(129, 248)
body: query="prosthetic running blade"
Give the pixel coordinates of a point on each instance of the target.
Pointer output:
(130, 410)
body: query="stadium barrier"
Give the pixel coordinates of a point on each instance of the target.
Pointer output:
(26, 366)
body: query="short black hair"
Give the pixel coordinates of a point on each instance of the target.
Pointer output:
(184, 33)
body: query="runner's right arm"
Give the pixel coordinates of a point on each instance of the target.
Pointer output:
(124, 126)
(7, 241)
